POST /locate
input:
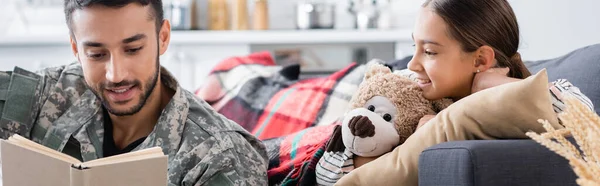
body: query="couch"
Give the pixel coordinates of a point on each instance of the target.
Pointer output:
(511, 161)
(295, 116)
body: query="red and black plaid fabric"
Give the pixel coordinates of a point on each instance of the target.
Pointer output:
(293, 158)
(294, 118)
(269, 101)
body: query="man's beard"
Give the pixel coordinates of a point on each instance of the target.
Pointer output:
(143, 97)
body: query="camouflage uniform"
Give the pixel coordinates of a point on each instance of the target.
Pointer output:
(55, 108)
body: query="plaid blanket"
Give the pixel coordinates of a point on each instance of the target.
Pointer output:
(293, 158)
(293, 117)
(270, 101)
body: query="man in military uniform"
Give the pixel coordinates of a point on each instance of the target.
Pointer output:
(117, 98)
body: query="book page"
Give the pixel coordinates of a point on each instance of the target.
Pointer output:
(33, 146)
(22, 165)
(0, 164)
(143, 172)
(131, 156)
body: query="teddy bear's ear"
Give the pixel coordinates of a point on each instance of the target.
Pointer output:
(376, 67)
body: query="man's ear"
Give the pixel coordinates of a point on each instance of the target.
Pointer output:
(485, 58)
(164, 36)
(74, 47)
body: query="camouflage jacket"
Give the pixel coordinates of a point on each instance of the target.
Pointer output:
(53, 107)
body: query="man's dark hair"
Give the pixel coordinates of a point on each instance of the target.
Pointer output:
(72, 5)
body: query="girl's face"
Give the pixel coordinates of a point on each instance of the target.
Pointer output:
(443, 69)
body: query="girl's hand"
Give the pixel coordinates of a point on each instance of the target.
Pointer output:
(491, 78)
(424, 120)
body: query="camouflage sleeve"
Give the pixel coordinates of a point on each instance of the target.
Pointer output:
(232, 160)
(4, 82)
(20, 93)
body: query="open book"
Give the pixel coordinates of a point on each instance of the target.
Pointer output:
(26, 163)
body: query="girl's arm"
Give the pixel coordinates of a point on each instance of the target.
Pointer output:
(560, 88)
(557, 89)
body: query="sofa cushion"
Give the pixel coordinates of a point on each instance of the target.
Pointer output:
(581, 67)
(400, 63)
(493, 162)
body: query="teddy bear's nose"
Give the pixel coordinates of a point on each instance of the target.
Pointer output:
(361, 126)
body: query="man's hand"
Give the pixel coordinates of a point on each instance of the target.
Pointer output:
(424, 120)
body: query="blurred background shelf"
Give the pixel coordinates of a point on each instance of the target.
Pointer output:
(290, 36)
(33, 33)
(323, 36)
(191, 54)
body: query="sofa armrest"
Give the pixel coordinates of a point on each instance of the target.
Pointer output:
(493, 162)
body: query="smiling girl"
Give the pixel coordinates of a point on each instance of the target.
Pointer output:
(461, 47)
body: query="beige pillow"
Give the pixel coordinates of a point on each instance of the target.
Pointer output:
(506, 111)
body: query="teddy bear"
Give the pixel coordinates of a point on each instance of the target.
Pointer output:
(383, 113)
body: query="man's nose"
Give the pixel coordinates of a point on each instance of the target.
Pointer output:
(116, 71)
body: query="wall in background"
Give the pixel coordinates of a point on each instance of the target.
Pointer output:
(549, 28)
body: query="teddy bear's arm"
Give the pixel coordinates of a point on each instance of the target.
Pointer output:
(335, 143)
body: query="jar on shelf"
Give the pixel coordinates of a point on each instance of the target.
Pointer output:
(260, 16)
(180, 13)
(218, 15)
(239, 17)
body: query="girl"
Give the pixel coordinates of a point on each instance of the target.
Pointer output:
(462, 47)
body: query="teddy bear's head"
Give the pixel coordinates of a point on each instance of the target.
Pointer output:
(385, 111)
